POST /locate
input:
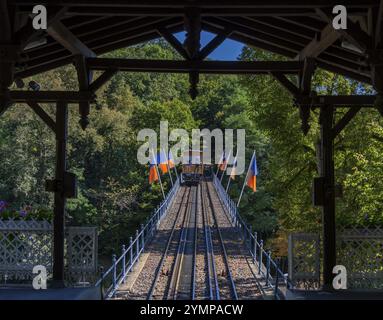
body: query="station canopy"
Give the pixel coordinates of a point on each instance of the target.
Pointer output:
(295, 29)
(301, 32)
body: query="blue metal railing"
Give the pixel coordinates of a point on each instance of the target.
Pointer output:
(112, 278)
(268, 268)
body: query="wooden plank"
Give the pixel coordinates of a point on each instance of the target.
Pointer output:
(291, 87)
(379, 24)
(101, 80)
(214, 44)
(50, 96)
(246, 4)
(342, 123)
(68, 40)
(43, 115)
(173, 41)
(353, 34)
(344, 101)
(327, 38)
(217, 67)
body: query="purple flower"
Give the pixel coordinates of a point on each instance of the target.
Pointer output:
(3, 205)
(23, 213)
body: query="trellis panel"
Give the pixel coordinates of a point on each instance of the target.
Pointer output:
(27, 243)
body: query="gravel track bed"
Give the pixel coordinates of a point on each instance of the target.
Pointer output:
(239, 259)
(201, 275)
(224, 285)
(156, 247)
(163, 281)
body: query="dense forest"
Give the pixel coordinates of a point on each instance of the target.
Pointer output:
(114, 193)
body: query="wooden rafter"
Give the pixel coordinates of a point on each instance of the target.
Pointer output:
(68, 40)
(276, 26)
(354, 33)
(43, 115)
(379, 26)
(323, 40)
(217, 67)
(173, 41)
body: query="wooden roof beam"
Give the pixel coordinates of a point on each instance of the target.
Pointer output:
(257, 35)
(173, 41)
(273, 4)
(255, 42)
(192, 44)
(7, 57)
(324, 40)
(68, 40)
(180, 66)
(366, 101)
(50, 96)
(214, 44)
(27, 34)
(85, 77)
(286, 83)
(43, 115)
(354, 33)
(379, 27)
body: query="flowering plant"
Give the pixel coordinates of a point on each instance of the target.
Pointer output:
(25, 213)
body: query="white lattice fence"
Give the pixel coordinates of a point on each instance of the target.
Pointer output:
(304, 260)
(27, 243)
(359, 250)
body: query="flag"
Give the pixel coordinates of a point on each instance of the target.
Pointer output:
(222, 163)
(253, 172)
(171, 160)
(233, 170)
(153, 176)
(162, 162)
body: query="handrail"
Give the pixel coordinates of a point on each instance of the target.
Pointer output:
(255, 247)
(124, 264)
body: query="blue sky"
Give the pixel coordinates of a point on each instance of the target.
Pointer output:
(228, 50)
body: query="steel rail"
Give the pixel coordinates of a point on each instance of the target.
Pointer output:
(233, 287)
(212, 273)
(178, 272)
(195, 246)
(170, 238)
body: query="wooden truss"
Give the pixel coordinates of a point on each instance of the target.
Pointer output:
(299, 30)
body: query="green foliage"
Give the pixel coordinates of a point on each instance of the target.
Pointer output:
(114, 193)
(291, 158)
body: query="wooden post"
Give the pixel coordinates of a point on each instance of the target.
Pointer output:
(60, 198)
(328, 208)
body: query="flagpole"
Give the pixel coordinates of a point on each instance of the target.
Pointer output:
(227, 162)
(219, 164)
(228, 183)
(158, 174)
(175, 168)
(167, 165)
(244, 183)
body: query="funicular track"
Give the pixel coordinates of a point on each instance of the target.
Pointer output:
(238, 258)
(181, 286)
(219, 283)
(160, 284)
(201, 257)
(141, 287)
(194, 264)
